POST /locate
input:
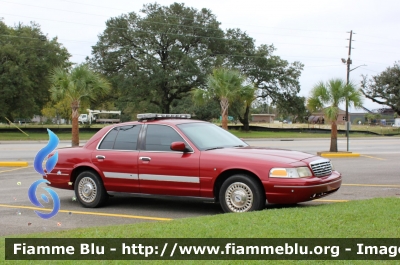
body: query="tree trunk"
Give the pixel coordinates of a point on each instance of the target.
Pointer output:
(224, 110)
(245, 122)
(166, 108)
(333, 137)
(245, 119)
(75, 124)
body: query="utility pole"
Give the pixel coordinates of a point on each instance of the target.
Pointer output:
(348, 62)
(347, 82)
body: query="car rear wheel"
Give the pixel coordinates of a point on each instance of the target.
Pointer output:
(89, 190)
(241, 193)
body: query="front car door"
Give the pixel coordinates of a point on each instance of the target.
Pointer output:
(167, 172)
(116, 157)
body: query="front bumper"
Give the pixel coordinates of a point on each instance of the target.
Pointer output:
(288, 191)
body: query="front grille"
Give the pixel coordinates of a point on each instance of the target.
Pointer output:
(321, 167)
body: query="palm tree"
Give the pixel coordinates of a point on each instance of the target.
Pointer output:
(246, 96)
(224, 84)
(79, 85)
(330, 95)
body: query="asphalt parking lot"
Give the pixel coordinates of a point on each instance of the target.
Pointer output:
(376, 173)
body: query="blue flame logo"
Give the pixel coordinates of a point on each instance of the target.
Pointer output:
(44, 152)
(50, 164)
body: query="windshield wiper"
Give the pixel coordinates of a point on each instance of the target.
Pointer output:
(213, 148)
(240, 145)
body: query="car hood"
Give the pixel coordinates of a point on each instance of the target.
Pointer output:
(263, 153)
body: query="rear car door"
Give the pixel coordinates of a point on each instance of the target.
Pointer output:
(167, 172)
(116, 157)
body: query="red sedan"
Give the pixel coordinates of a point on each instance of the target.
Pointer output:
(171, 154)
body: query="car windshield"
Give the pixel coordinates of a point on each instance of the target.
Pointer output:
(207, 136)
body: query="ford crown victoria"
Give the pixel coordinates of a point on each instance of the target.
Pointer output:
(171, 154)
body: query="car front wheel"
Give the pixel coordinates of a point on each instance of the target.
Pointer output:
(241, 193)
(89, 190)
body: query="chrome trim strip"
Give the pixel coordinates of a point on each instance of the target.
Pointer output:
(57, 174)
(185, 179)
(119, 150)
(177, 197)
(305, 187)
(172, 152)
(120, 175)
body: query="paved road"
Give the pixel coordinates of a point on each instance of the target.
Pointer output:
(375, 174)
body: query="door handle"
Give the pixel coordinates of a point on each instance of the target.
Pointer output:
(145, 158)
(100, 157)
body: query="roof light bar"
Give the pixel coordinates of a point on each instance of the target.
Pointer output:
(156, 116)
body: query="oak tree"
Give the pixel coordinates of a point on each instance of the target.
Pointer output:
(26, 58)
(159, 56)
(384, 88)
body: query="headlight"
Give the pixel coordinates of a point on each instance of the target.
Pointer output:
(304, 172)
(297, 172)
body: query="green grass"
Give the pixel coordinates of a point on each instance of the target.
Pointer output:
(385, 131)
(19, 136)
(50, 126)
(374, 218)
(257, 134)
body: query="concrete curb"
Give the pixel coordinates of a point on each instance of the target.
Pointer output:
(13, 164)
(338, 154)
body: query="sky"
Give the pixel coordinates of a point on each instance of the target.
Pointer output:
(314, 32)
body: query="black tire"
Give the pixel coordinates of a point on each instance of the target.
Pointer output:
(241, 193)
(89, 190)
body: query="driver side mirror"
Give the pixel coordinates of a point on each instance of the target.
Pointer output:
(179, 146)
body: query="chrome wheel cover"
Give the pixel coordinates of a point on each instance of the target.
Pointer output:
(87, 189)
(239, 197)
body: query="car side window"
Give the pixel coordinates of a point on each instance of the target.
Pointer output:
(160, 137)
(121, 138)
(108, 141)
(127, 137)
